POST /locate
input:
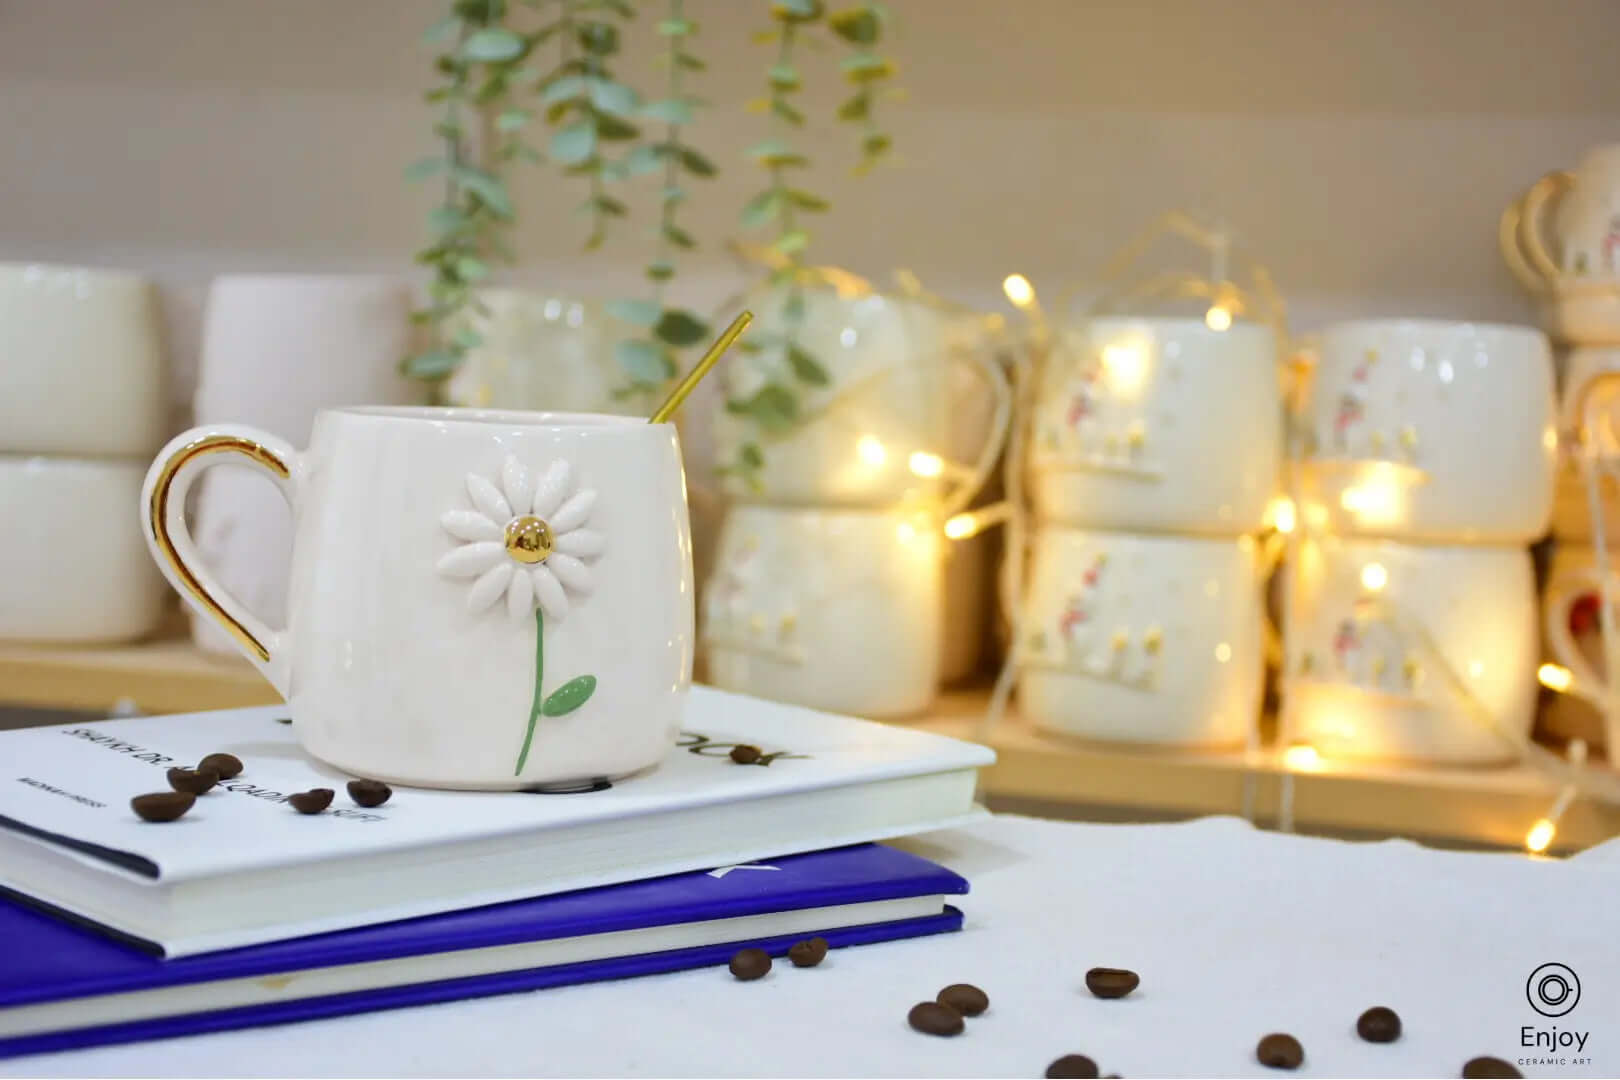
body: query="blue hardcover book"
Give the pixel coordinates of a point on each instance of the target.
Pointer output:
(64, 985)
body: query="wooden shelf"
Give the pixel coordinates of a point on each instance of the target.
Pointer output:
(1473, 807)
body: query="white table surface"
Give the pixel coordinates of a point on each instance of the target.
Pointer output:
(1236, 933)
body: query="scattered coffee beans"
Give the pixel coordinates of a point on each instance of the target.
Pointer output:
(1280, 1052)
(750, 964)
(312, 801)
(808, 953)
(965, 998)
(369, 792)
(1379, 1025)
(194, 781)
(1112, 982)
(745, 755)
(226, 765)
(1489, 1068)
(932, 1018)
(1072, 1067)
(162, 805)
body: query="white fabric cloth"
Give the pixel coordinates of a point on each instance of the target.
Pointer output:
(1236, 933)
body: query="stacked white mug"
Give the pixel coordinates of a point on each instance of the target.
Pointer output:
(828, 580)
(1154, 455)
(83, 405)
(1425, 472)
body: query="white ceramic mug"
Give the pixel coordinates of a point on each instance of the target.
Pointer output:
(1574, 263)
(1158, 425)
(834, 609)
(1424, 653)
(1143, 639)
(81, 363)
(1572, 628)
(277, 349)
(1431, 431)
(888, 395)
(479, 599)
(75, 567)
(1589, 421)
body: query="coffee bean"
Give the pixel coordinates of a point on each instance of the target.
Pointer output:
(1280, 1052)
(229, 766)
(1379, 1025)
(965, 998)
(1112, 982)
(745, 755)
(932, 1018)
(162, 805)
(750, 964)
(312, 801)
(1072, 1067)
(369, 792)
(808, 953)
(195, 781)
(1489, 1068)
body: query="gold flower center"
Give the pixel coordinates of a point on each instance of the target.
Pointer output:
(528, 539)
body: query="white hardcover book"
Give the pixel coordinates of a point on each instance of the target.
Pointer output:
(243, 867)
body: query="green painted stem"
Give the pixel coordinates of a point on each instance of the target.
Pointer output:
(539, 673)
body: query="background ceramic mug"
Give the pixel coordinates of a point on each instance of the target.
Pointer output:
(1434, 431)
(1407, 651)
(1147, 639)
(1128, 411)
(435, 551)
(1572, 623)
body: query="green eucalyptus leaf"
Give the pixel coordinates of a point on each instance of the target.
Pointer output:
(487, 186)
(467, 338)
(607, 204)
(434, 364)
(806, 367)
(672, 194)
(875, 144)
(679, 236)
(512, 119)
(787, 112)
(493, 45)
(676, 27)
(471, 269)
(695, 163)
(644, 313)
(864, 67)
(574, 144)
(858, 26)
(793, 307)
(751, 455)
(858, 107)
(660, 270)
(559, 109)
(643, 361)
(614, 172)
(690, 62)
(788, 243)
(564, 89)
(447, 129)
(775, 152)
(612, 128)
(673, 111)
(806, 201)
(569, 696)
(680, 328)
(443, 30)
(610, 97)
(444, 220)
(424, 168)
(761, 208)
(643, 159)
(599, 38)
(774, 408)
(783, 76)
(796, 10)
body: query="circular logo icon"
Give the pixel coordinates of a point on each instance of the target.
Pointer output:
(1553, 990)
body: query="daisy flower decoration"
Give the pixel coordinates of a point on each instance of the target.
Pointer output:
(525, 540)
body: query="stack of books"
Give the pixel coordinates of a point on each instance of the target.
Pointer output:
(246, 912)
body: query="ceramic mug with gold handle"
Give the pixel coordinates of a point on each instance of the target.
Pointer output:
(1573, 259)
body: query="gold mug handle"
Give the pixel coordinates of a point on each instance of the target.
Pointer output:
(1521, 230)
(163, 502)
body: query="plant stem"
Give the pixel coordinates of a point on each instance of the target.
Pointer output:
(539, 681)
(671, 158)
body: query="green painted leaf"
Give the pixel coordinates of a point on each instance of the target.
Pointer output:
(569, 696)
(695, 163)
(673, 111)
(424, 168)
(677, 27)
(493, 44)
(487, 186)
(790, 242)
(564, 89)
(806, 201)
(806, 367)
(635, 312)
(783, 76)
(680, 328)
(574, 144)
(660, 270)
(512, 119)
(613, 98)
(435, 364)
(643, 361)
(761, 208)
(679, 236)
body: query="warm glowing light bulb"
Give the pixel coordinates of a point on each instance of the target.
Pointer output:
(1018, 290)
(871, 451)
(1218, 318)
(1281, 512)
(961, 526)
(1301, 757)
(1555, 677)
(1374, 577)
(1540, 836)
(926, 464)
(905, 533)
(1125, 365)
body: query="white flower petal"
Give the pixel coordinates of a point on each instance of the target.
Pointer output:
(470, 525)
(571, 572)
(488, 499)
(487, 589)
(549, 492)
(520, 597)
(581, 543)
(470, 560)
(573, 512)
(553, 601)
(515, 482)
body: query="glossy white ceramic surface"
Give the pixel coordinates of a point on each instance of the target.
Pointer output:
(410, 651)
(82, 369)
(76, 569)
(1144, 639)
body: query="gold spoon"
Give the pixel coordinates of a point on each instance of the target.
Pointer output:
(717, 350)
